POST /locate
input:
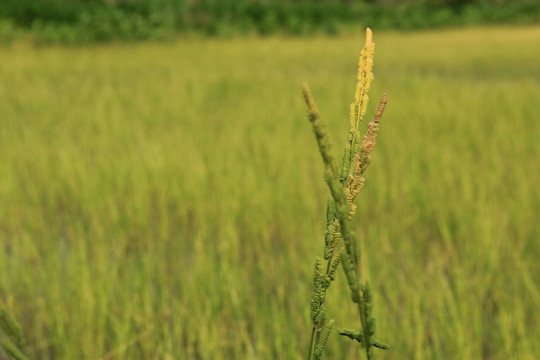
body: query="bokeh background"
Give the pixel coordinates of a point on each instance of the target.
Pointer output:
(89, 21)
(162, 196)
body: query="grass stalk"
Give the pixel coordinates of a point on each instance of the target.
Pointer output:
(340, 240)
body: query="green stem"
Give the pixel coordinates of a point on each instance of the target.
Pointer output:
(363, 321)
(311, 344)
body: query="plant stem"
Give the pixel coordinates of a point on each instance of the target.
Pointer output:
(311, 344)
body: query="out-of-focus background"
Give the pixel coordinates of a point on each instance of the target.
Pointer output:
(88, 21)
(162, 196)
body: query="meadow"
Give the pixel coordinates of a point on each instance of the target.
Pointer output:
(166, 200)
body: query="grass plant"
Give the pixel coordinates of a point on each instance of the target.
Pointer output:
(163, 201)
(341, 244)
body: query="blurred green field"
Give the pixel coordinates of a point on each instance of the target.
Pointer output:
(166, 201)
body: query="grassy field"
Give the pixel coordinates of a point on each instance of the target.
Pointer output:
(166, 201)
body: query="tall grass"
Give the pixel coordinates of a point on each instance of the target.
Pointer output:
(163, 201)
(341, 245)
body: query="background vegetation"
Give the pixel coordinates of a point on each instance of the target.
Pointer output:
(164, 201)
(76, 21)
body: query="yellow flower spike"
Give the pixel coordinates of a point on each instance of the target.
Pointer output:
(365, 67)
(352, 119)
(365, 78)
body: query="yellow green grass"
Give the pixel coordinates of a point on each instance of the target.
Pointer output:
(163, 201)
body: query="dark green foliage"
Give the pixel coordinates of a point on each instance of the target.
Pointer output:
(12, 350)
(70, 21)
(12, 339)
